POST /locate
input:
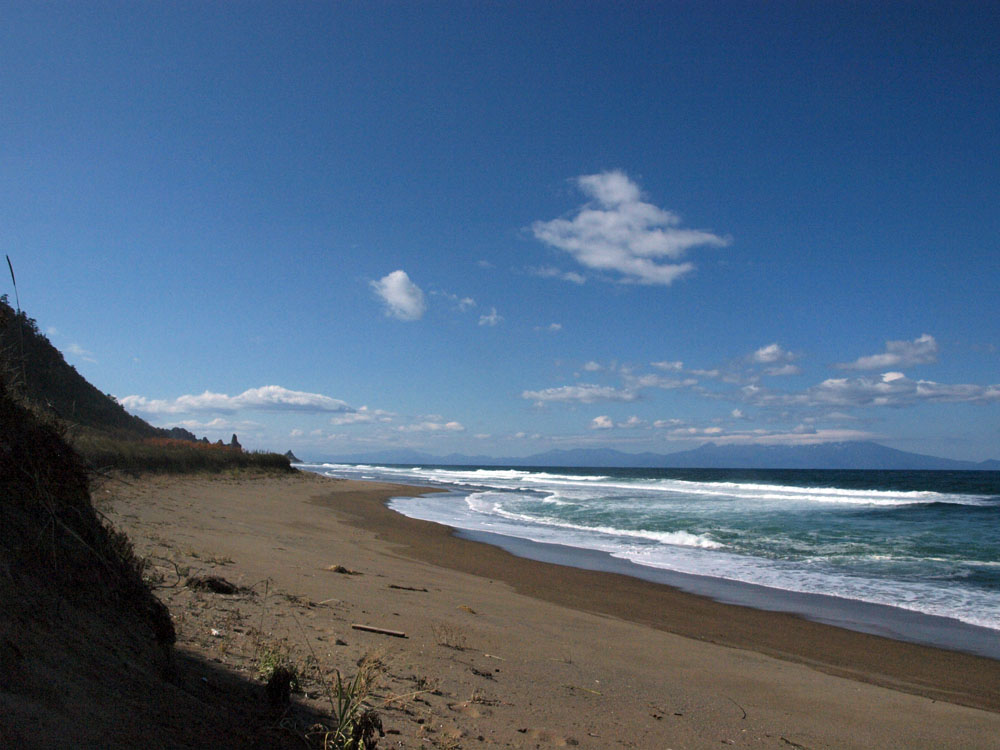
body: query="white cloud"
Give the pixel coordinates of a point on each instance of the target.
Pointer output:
(601, 423)
(593, 366)
(432, 427)
(80, 352)
(788, 369)
(801, 435)
(583, 394)
(632, 422)
(668, 366)
(620, 233)
(780, 359)
(890, 389)
(364, 415)
(664, 423)
(296, 433)
(548, 272)
(462, 303)
(403, 298)
(490, 320)
(652, 380)
(551, 328)
(770, 354)
(737, 414)
(920, 351)
(219, 424)
(266, 398)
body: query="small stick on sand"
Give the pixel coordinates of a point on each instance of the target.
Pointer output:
(380, 631)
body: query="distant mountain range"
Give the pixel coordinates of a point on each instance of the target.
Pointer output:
(846, 455)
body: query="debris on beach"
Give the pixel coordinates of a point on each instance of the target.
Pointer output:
(342, 570)
(380, 631)
(215, 584)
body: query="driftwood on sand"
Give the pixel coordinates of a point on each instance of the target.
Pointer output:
(380, 631)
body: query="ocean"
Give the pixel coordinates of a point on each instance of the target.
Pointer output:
(909, 554)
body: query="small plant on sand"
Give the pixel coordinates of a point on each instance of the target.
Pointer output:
(355, 727)
(269, 660)
(449, 636)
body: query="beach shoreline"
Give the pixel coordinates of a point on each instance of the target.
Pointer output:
(503, 651)
(942, 674)
(883, 620)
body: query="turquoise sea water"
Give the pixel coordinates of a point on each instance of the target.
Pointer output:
(928, 542)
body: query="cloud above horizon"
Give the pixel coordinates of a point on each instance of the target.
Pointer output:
(430, 426)
(920, 351)
(363, 415)
(779, 359)
(617, 232)
(581, 394)
(891, 389)
(266, 398)
(403, 299)
(219, 424)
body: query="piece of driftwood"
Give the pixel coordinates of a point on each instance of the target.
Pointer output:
(406, 588)
(380, 631)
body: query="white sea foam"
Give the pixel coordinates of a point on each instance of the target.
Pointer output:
(752, 532)
(742, 491)
(692, 554)
(491, 504)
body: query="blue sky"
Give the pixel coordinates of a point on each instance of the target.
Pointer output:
(502, 228)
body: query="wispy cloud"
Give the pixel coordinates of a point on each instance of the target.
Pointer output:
(266, 398)
(403, 299)
(432, 427)
(580, 394)
(802, 435)
(617, 232)
(654, 380)
(606, 423)
(920, 351)
(462, 304)
(220, 424)
(891, 389)
(779, 359)
(668, 366)
(80, 352)
(490, 319)
(550, 328)
(364, 415)
(548, 272)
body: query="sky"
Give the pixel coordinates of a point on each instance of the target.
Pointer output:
(503, 228)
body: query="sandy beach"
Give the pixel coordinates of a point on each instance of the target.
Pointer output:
(501, 651)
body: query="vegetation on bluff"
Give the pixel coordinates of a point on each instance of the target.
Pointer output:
(106, 436)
